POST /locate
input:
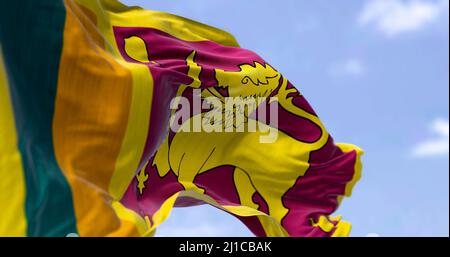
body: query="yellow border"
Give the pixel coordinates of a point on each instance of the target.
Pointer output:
(12, 181)
(357, 168)
(270, 225)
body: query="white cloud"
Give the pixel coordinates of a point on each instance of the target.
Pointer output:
(393, 17)
(351, 67)
(372, 235)
(437, 146)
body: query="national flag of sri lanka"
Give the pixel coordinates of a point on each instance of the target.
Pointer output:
(85, 147)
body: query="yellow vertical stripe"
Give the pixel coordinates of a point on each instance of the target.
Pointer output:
(135, 136)
(12, 181)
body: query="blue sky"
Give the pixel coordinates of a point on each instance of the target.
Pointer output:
(376, 71)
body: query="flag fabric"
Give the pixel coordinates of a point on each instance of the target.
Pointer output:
(87, 90)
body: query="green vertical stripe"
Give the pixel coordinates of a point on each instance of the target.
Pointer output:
(31, 33)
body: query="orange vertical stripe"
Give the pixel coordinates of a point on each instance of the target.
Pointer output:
(91, 114)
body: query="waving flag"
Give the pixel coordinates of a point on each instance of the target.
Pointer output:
(91, 98)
